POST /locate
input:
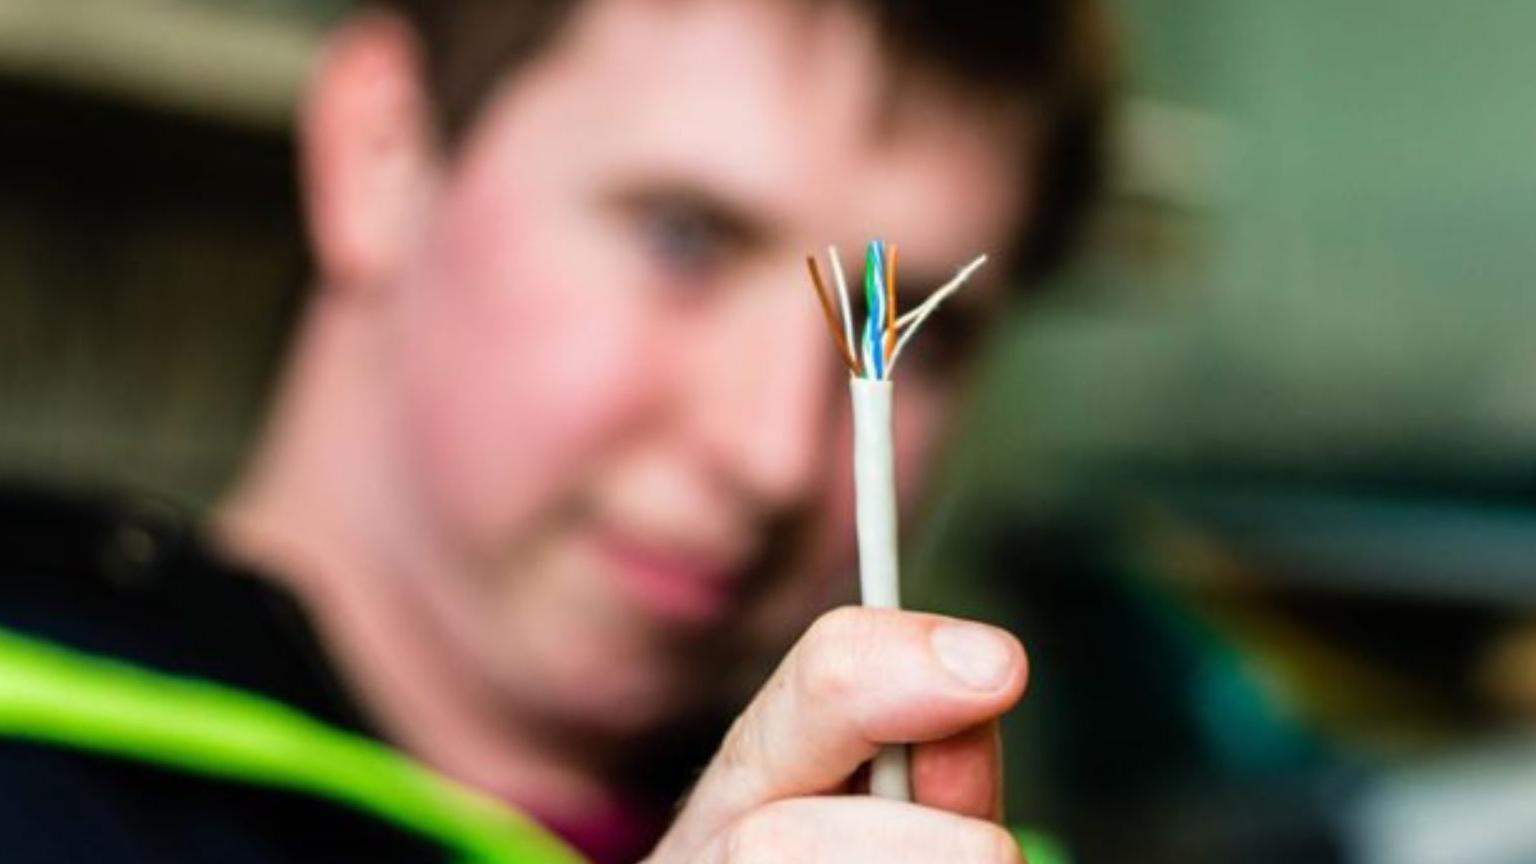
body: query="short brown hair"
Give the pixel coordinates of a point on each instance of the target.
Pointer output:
(1054, 53)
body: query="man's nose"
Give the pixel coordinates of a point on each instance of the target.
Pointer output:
(769, 394)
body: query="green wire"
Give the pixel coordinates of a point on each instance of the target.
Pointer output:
(52, 694)
(874, 309)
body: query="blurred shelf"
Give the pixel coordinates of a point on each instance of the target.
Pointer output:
(1452, 549)
(239, 62)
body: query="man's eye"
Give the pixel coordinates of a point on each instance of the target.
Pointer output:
(684, 240)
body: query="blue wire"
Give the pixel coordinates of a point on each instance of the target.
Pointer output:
(874, 304)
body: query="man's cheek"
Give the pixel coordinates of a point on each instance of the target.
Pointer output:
(517, 399)
(917, 427)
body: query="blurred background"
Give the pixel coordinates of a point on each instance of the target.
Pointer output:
(1257, 481)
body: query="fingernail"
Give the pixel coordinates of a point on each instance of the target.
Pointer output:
(978, 656)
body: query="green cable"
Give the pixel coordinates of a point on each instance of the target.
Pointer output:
(1041, 848)
(59, 696)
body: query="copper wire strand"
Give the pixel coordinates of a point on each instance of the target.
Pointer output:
(890, 306)
(831, 317)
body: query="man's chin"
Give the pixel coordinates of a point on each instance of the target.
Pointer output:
(622, 710)
(593, 659)
(618, 682)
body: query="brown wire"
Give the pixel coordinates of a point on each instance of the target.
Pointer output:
(831, 317)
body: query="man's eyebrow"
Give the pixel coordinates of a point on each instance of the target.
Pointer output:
(736, 218)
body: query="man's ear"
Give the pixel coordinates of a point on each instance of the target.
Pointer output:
(368, 152)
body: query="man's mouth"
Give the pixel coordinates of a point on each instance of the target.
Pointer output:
(677, 585)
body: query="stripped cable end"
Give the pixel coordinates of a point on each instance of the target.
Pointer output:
(885, 334)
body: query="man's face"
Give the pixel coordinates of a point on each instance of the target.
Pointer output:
(622, 412)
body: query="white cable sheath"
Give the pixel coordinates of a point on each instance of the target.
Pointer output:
(874, 480)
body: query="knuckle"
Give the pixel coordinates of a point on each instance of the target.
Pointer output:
(827, 667)
(838, 625)
(759, 837)
(738, 845)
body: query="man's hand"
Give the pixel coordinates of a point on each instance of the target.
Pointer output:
(860, 678)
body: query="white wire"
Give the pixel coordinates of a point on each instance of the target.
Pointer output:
(842, 297)
(938, 296)
(913, 320)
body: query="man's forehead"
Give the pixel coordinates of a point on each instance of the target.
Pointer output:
(788, 105)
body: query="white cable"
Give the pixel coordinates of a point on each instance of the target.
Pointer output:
(842, 298)
(913, 320)
(874, 481)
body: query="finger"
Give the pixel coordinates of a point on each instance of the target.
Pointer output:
(846, 829)
(962, 773)
(857, 679)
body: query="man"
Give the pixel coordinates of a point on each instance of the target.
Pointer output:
(559, 468)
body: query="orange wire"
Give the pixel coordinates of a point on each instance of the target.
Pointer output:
(890, 304)
(830, 316)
